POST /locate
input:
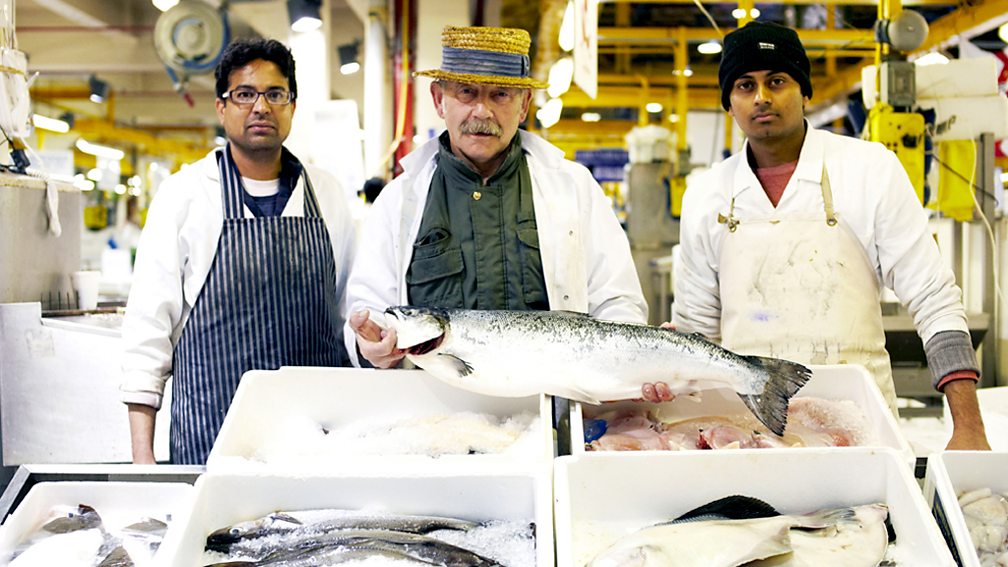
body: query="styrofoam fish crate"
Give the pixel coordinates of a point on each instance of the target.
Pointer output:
(336, 397)
(831, 382)
(640, 489)
(952, 472)
(118, 503)
(221, 500)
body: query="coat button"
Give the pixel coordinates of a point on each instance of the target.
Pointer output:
(566, 297)
(477, 195)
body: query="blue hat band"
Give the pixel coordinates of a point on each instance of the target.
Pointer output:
(480, 62)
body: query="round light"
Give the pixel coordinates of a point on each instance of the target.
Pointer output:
(738, 13)
(688, 72)
(591, 117)
(673, 118)
(754, 13)
(653, 107)
(1003, 32)
(709, 47)
(120, 189)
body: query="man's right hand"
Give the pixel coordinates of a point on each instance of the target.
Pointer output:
(375, 344)
(657, 392)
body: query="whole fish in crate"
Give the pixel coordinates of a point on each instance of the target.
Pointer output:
(522, 353)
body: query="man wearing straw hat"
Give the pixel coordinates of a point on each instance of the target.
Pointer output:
(487, 216)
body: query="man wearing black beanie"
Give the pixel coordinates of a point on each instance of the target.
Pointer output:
(785, 245)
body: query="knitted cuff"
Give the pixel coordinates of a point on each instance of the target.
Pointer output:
(947, 352)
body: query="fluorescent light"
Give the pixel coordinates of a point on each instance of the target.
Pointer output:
(566, 38)
(591, 117)
(549, 114)
(94, 174)
(673, 118)
(560, 75)
(688, 72)
(51, 124)
(1003, 32)
(653, 107)
(120, 189)
(306, 24)
(709, 47)
(932, 58)
(164, 5)
(98, 150)
(738, 13)
(349, 68)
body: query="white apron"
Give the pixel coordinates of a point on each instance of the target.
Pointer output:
(801, 288)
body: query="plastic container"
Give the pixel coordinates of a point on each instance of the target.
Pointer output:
(631, 491)
(338, 397)
(221, 500)
(952, 472)
(831, 382)
(118, 503)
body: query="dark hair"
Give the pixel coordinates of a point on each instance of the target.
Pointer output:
(372, 187)
(243, 51)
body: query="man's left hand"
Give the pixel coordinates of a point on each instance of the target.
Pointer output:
(968, 431)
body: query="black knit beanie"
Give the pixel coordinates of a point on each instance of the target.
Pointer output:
(759, 46)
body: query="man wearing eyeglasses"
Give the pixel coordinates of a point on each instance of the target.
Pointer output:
(487, 216)
(242, 263)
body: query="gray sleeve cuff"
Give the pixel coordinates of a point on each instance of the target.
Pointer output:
(949, 351)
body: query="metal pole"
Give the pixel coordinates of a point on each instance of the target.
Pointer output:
(985, 196)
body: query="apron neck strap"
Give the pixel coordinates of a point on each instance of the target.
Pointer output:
(827, 196)
(232, 188)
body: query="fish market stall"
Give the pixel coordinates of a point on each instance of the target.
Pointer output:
(303, 419)
(839, 407)
(968, 494)
(505, 500)
(604, 501)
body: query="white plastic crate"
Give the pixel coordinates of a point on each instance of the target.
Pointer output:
(337, 397)
(118, 503)
(223, 499)
(952, 472)
(831, 382)
(631, 491)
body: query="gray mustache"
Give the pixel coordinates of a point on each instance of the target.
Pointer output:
(476, 126)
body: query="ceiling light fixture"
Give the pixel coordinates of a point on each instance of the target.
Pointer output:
(51, 124)
(560, 75)
(99, 150)
(99, 89)
(591, 117)
(709, 47)
(566, 38)
(1003, 32)
(164, 5)
(305, 15)
(549, 114)
(349, 57)
(653, 107)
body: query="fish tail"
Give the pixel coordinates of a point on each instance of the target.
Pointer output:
(782, 379)
(827, 518)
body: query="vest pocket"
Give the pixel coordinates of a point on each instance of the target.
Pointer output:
(434, 276)
(533, 282)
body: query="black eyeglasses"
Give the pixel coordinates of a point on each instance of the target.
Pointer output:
(246, 96)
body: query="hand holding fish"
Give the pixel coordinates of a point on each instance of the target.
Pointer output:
(376, 344)
(658, 391)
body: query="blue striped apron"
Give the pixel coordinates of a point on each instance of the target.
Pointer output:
(269, 300)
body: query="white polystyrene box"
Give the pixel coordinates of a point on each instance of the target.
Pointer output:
(224, 499)
(340, 396)
(118, 503)
(831, 382)
(629, 492)
(952, 472)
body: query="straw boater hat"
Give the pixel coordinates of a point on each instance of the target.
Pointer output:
(488, 56)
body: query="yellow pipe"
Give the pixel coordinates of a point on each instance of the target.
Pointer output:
(682, 94)
(642, 113)
(728, 130)
(747, 6)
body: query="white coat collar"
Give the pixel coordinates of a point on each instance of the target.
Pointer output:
(809, 167)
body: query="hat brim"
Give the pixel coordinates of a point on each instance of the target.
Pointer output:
(494, 80)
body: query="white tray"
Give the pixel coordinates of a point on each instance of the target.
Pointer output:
(223, 499)
(831, 382)
(340, 396)
(638, 489)
(952, 472)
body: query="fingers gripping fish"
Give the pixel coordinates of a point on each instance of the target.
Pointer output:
(523, 353)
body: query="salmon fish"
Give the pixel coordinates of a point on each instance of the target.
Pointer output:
(523, 353)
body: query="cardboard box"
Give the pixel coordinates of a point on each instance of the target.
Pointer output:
(118, 503)
(222, 500)
(950, 473)
(630, 491)
(831, 382)
(338, 397)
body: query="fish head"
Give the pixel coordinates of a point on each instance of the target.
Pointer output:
(419, 330)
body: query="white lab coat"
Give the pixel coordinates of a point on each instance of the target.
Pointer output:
(585, 254)
(176, 250)
(872, 196)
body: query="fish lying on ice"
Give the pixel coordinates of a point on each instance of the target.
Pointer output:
(739, 530)
(522, 353)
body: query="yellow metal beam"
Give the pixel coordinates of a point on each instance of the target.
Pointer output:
(182, 151)
(796, 2)
(634, 97)
(845, 38)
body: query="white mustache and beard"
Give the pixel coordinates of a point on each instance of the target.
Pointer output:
(479, 126)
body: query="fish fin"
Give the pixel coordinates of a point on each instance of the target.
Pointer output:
(565, 313)
(735, 507)
(461, 367)
(782, 380)
(826, 518)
